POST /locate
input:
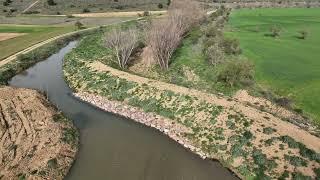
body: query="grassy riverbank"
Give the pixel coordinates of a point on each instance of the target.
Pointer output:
(253, 143)
(288, 64)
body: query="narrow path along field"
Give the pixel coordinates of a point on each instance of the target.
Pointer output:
(35, 141)
(29, 7)
(118, 14)
(29, 49)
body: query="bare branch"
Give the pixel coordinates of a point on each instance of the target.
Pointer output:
(122, 42)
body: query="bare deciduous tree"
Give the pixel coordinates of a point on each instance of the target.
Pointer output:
(163, 38)
(165, 35)
(122, 42)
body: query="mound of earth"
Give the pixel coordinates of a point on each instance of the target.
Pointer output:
(36, 142)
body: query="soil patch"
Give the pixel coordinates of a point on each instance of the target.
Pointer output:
(6, 36)
(36, 142)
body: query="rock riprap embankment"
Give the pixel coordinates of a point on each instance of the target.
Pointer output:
(174, 130)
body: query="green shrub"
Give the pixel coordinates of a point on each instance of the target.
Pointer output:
(317, 172)
(53, 163)
(269, 130)
(275, 31)
(236, 72)
(86, 10)
(231, 46)
(300, 176)
(296, 161)
(51, 3)
(70, 136)
(215, 55)
(160, 6)
(303, 34)
(79, 25)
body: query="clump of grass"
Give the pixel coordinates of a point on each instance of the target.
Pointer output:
(52, 163)
(284, 175)
(70, 136)
(22, 176)
(269, 130)
(296, 161)
(317, 172)
(300, 176)
(303, 150)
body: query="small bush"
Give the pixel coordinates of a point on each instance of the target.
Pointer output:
(146, 13)
(296, 161)
(284, 102)
(79, 25)
(236, 72)
(53, 163)
(70, 136)
(51, 2)
(231, 46)
(160, 6)
(70, 16)
(300, 176)
(215, 55)
(86, 10)
(269, 130)
(32, 12)
(212, 31)
(168, 2)
(303, 34)
(275, 31)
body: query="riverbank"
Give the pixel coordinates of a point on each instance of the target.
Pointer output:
(37, 142)
(246, 139)
(168, 127)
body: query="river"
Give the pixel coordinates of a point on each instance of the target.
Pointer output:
(113, 147)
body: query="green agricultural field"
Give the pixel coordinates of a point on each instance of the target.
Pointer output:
(288, 65)
(34, 34)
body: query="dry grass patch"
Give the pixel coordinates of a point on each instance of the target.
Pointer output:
(36, 142)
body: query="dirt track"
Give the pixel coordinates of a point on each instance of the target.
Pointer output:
(118, 14)
(33, 142)
(283, 127)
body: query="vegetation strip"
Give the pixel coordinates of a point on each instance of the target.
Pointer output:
(237, 135)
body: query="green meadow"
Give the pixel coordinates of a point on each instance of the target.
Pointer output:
(288, 64)
(34, 35)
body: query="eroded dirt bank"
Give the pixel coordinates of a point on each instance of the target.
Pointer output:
(36, 142)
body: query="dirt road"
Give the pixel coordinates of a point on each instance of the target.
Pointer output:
(29, 49)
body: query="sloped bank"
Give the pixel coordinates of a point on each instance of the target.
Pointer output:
(250, 142)
(37, 142)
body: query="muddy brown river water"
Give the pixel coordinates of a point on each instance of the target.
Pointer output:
(112, 147)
